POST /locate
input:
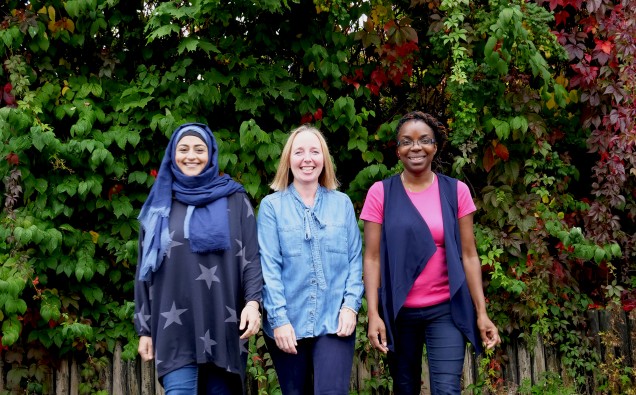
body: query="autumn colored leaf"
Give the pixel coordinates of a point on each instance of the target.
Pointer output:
(115, 189)
(502, 151)
(379, 77)
(7, 97)
(306, 118)
(605, 46)
(561, 17)
(488, 159)
(375, 90)
(94, 236)
(13, 159)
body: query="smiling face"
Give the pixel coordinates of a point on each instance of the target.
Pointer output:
(191, 155)
(307, 160)
(417, 157)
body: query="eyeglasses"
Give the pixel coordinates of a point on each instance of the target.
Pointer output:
(422, 142)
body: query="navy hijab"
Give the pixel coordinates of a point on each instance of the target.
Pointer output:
(206, 223)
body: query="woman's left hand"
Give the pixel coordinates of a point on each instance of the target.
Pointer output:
(347, 320)
(488, 331)
(250, 318)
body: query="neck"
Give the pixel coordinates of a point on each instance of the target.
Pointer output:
(417, 182)
(307, 192)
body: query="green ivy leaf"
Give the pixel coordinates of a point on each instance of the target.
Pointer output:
(11, 328)
(121, 206)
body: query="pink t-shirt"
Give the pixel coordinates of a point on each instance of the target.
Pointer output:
(431, 286)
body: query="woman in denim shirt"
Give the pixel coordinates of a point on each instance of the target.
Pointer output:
(310, 249)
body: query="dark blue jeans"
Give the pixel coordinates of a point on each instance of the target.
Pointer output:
(321, 367)
(445, 348)
(201, 379)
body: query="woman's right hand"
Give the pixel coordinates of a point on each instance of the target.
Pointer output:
(377, 334)
(145, 348)
(286, 338)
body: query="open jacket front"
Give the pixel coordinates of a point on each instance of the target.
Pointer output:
(406, 247)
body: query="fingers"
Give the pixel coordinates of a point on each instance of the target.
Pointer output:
(346, 322)
(251, 319)
(285, 338)
(145, 348)
(489, 334)
(377, 335)
(492, 338)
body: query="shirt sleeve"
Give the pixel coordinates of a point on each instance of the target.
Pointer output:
(353, 286)
(274, 300)
(373, 208)
(142, 298)
(252, 274)
(465, 203)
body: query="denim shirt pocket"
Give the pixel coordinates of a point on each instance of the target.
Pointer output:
(291, 242)
(335, 239)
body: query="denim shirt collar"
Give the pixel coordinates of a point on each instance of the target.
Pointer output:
(309, 213)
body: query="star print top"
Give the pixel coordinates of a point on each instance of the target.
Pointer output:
(191, 306)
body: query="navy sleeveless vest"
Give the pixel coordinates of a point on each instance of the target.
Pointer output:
(406, 247)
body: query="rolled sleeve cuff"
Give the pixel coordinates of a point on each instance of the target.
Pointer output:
(277, 320)
(352, 303)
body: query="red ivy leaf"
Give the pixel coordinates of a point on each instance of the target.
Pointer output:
(13, 159)
(375, 90)
(115, 189)
(306, 118)
(589, 24)
(489, 159)
(351, 81)
(561, 17)
(605, 46)
(502, 151)
(557, 269)
(629, 305)
(7, 97)
(378, 77)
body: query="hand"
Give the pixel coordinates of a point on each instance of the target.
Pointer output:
(251, 317)
(488, 331)
(347, 320)
(377, 334)
(286, 338)
(145, 348)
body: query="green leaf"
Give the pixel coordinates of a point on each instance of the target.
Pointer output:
(138, 177)
(143, 156)
(163, 31)
(11, 329)
(599, 255)
(189, 43)
(490, 45)
(50, 308)
(121, 206)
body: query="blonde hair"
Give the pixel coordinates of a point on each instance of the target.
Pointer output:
(284, 175)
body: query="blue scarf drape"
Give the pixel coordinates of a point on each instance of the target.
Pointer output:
(206, 223)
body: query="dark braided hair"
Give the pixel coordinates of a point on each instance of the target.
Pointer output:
(439, 131)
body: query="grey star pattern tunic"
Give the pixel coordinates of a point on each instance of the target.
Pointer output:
(192, 304)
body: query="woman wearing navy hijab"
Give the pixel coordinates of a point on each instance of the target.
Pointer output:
(198, 283)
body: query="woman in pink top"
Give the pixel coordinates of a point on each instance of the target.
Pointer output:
(422, 274)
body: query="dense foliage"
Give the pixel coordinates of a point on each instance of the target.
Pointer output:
(538, 97)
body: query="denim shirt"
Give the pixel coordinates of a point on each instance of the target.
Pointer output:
(311, 259)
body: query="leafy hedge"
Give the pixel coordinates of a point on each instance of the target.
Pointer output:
(539, 98)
